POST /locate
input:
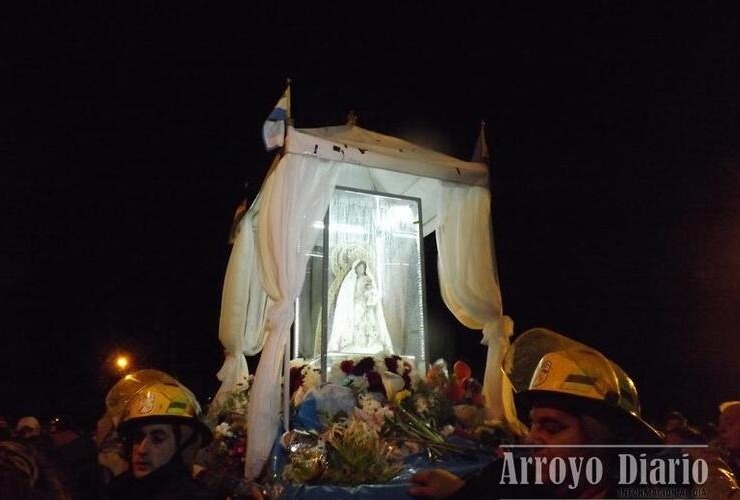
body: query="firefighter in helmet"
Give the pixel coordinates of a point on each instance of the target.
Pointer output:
(570, 395)
(159, 422)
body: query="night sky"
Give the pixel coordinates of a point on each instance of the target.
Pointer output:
(128, 130)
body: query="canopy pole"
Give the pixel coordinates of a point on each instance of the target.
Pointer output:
(286, 386)
(286, 351)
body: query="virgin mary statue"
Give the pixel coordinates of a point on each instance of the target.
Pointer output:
(359, 324)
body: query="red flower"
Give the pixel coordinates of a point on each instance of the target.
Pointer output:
(462, 371)
(346, 366)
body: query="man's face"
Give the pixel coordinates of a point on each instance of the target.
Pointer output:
(551, 426)
(729, 429)
(154, 445)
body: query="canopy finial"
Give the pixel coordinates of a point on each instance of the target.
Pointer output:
(480, 153)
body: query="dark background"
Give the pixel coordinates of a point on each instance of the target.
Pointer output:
(129, 128)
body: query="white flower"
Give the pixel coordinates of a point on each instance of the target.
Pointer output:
(297, 363)
(223, 430)
(369, 403)
(311, 378)
(372, 412)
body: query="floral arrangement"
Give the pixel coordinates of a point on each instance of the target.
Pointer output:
(372, 414)
(348, 452)
(227, 419)
(438, 406)
(376, 375)
(357, 428)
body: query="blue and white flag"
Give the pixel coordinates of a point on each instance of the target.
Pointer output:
(273, 131)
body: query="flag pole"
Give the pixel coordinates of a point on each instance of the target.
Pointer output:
(288, 83)
(288, 114)
(286, 357)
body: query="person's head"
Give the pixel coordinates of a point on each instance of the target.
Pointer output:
(361, 268)
(28, 427)
(555, 420)
(556, 423)
(729, 427)
(62, 430)
(573, 395)
(154, 445)
(161, 422)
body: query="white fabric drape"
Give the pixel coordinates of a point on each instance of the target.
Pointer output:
(469, 282)
(243, 310)
(295, 197)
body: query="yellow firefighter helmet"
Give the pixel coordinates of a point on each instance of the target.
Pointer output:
(542, 363)
(153, 396)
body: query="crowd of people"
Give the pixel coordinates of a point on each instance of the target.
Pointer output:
(144, 448)
(575, 402)
(54, 461)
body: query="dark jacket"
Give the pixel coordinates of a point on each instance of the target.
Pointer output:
(169, 482)
(77, 463)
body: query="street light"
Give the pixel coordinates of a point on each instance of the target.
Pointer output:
(122, 362)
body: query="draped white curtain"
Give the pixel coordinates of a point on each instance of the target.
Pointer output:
(243, 310)
(469, 283)
(295, 197)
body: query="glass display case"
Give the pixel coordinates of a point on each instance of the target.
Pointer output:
(364, 288)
